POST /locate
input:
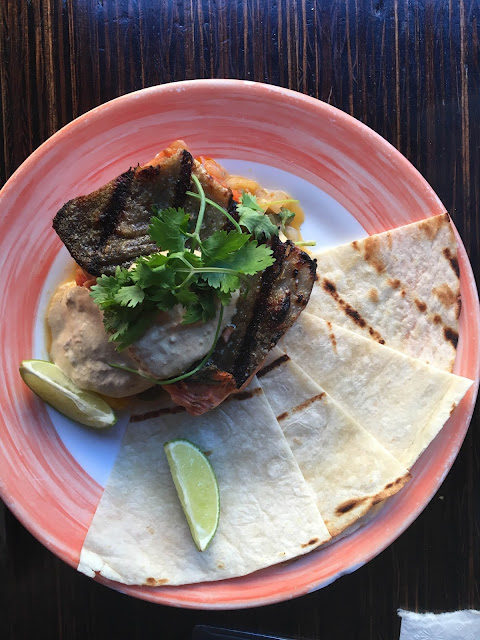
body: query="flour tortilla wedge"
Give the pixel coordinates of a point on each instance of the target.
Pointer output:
(402, 402)
(139, 534)
(400, 288)
(348, 470)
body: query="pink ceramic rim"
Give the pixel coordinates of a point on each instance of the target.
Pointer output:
(263, 110)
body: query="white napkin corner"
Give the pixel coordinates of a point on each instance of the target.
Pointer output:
(457, 625)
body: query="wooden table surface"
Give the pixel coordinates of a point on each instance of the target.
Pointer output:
(409, 70)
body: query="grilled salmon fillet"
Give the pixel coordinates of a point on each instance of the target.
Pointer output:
(109, 227)
(274, 301)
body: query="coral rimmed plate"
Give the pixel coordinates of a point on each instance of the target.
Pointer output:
(40, 480)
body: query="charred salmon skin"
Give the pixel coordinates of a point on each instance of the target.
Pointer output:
(109, 227)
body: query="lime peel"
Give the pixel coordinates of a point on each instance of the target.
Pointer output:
(50, 384)
(197, 489)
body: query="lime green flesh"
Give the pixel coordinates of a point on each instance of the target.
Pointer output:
(52, 385)
(197, 489)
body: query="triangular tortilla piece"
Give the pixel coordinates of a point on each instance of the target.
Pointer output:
(400, 288)
(348, 470)
(139, 534)
(402, 402)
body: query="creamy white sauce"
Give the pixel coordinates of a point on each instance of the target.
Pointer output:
(80, 346)
(168, 348)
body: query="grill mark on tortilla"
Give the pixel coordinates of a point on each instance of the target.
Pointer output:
(152, 582)
(273, 365)
(454, 404)
(332, 337)
(395, 283)
(452, 260)
(389, 489)
(459, 307)
(309, 543)
(393, 484)
(355, 245)
(446, 296)
(308, 402)
(451, 336)
(431, 226)
(347, 506)
(352, 313)
(373, 295)
(165, 411)
(300, 407)
(421, 306)
(245, 395)
(372, 253)
(109, 217)
(437, 319)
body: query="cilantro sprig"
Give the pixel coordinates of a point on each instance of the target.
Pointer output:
(199, 274)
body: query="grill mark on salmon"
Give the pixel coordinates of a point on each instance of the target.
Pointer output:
(261, 319)
(109, 227)
(109, 217)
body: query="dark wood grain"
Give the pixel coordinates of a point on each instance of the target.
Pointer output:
(408, 69)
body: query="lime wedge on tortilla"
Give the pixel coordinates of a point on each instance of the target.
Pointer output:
(197, 489)
(54, 387)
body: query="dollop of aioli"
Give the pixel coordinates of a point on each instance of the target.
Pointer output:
(169, 348)
(80, 346)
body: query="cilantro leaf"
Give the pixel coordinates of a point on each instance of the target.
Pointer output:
(253, 217)
(133, 329)
(186, 297)
(285, 216)
(225, 282)
(164, 299)
(168, 229)
(248, 260)
(153, 261)
(130, 296)
(224, 297)
(193, 314)
(259, 224)
(250, 201)
(104, 291)
(220, 244)
(202, 311)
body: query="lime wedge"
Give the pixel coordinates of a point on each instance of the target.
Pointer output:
(197, 489)
(52, 385)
